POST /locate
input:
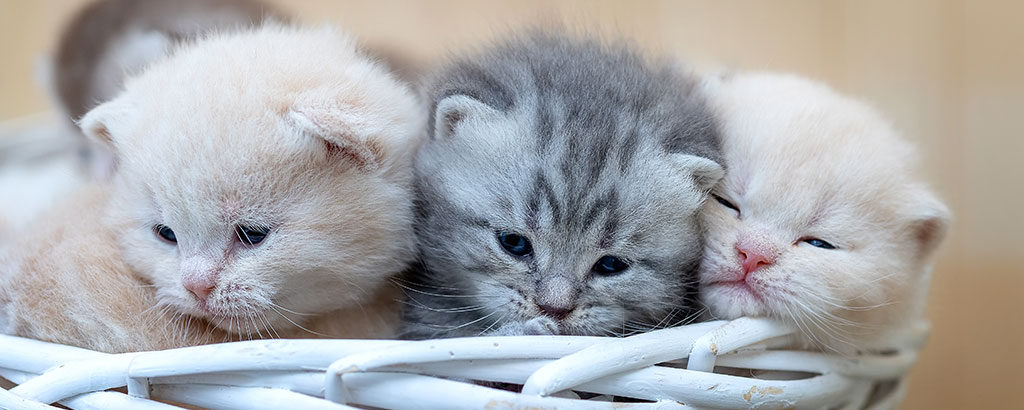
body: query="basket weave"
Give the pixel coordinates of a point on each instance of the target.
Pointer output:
(447, 373)
(670, 368)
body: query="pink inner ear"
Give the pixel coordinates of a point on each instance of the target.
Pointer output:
(451, 120)
(364, 158)
(335, 134)
(928, 234)
(101, 133)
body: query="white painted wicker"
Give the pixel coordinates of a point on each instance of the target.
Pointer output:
(668, 368)
(459, 373)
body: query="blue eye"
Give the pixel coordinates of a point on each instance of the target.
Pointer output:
(818, 243)
(514, 244)
(251, 235)
(165, 233)
(609, 265)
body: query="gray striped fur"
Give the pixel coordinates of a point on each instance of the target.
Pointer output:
(587, 149)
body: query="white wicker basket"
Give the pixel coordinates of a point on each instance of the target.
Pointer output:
(446, 373)
(668, 368)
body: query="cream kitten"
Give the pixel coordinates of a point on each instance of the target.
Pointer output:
(264, 184)
(819, 220)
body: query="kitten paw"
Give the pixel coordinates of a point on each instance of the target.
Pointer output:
(508, 329)
(541, 326)
(537, 326)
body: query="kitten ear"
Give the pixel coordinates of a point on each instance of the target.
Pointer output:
(100, 126)
(929, 225)
(705, 172)
(377, 123)
(345, 132)
(99, 121)
(453, 110)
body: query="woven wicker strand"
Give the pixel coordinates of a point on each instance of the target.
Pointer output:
(668, 368)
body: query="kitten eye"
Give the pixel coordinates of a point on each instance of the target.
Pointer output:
(727, 204)
(165, 233)
(609, 265)
(818, 243)
(514, 244)
(250, 235)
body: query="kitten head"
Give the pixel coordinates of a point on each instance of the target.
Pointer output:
(560, 184)
(265, 175)
(819, 220)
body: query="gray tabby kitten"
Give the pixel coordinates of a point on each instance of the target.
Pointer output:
(558, 192)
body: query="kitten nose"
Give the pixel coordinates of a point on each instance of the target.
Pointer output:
(555, 312)
(556, 296)
(752, 260)
(200, 286)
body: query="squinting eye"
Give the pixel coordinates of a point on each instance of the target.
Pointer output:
(165, 233)
(727, 204)
(609, 265)
(819, 243)
(514, 244)
(251, 235)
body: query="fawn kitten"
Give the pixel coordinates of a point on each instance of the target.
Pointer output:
(819, 220)
(558, 192)
(264, 186)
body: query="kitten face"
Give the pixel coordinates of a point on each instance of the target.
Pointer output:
(554, 214)
(257, 199)
(620, 216)
(817, 221)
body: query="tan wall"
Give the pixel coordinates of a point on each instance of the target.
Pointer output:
(950, 74)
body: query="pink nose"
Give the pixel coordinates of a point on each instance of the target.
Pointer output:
(752, 259)
(200, 286)
(555, 312)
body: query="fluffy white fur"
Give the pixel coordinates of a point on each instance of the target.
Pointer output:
(802, 163)
(289, 129)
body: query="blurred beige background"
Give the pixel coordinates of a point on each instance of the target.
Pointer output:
(950, 74)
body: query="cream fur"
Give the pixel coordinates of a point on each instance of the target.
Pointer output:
(804, 162)
(285, 128)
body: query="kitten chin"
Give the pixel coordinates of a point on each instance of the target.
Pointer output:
(263, 190)
(558, 192)
(820, 220)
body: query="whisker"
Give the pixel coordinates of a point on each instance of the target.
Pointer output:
(298, 325)
(291, 311)
(474, 321)
(440, 295)
(417, 304)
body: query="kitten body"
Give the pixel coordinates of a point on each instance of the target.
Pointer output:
(821, 221)
(558, 192)
(263, 187)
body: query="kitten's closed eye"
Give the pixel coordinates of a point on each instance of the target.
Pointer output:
(727, 204)
(514, 243)
(165, 233)
(609, 265)
(818, 243)
(251, 235)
